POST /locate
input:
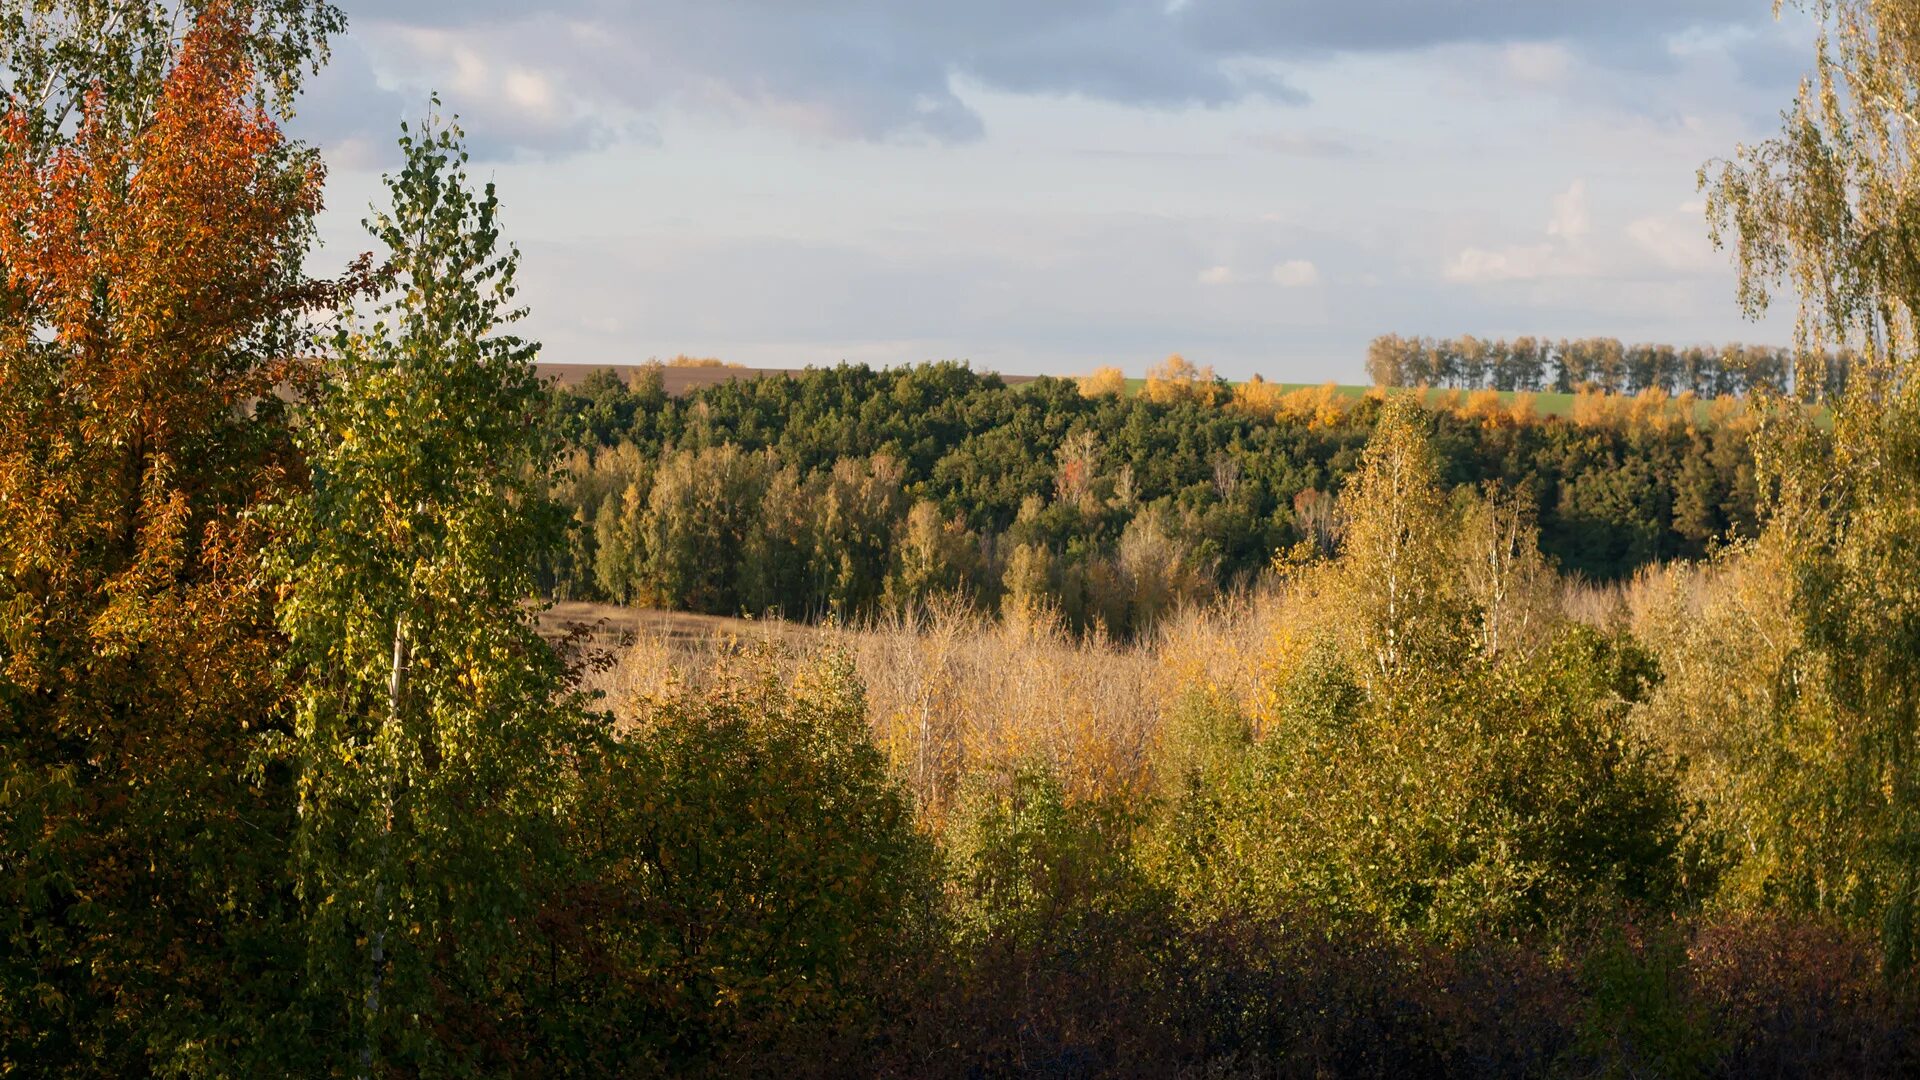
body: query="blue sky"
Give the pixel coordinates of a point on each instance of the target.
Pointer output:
(1053, 185)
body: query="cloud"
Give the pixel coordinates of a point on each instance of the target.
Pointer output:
(1562, 253)
(1542, 63)
(851, 69)
(1480, 266)
(1770, 57)
(1290, 274)
(1311, 27)
(1296, 274)
(1676, 241)
(1669, 246)
(581, 72)
(1571, 220)
(354, 108)
(507, 102)
(348, 109)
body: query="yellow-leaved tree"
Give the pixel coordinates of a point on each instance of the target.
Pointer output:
(1395, 579)
(1827, 211)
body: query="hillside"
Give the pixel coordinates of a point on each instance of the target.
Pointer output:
(851, 490)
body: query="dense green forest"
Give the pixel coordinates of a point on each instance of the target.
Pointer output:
(295, 781)
(849, 490)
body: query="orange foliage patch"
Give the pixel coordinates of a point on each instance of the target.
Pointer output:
(145, 268)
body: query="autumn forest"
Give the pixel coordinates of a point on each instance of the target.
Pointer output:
(372, 706)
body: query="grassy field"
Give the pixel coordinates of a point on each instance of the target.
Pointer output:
(614, 626)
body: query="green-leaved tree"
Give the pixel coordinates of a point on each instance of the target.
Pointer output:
(434, 725)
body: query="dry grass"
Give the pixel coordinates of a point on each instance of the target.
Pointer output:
(1603, 606)
(952, 694)
(656, 651)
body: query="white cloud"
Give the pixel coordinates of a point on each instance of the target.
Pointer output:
(1055, 256)
(1571, 219)
(1290, 274)
(1674, 242)
(1563, 253)
(505, 103)
(1480, 266)
(1296, 274)
(883, 70)
(1538, 63)
(530, 91)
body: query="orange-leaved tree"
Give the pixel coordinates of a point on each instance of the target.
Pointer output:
(151, 282)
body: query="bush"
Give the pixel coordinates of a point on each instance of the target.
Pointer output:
(1640, 1018)
(1032, 869)
(1060, 939)
(751, 876)
(1503, 800)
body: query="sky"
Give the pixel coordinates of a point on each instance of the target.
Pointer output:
(1050, 186)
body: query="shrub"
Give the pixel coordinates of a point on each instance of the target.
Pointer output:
(1061, 939)
(1502, 800)
(751, 874)
(1034, 870)
(1641, 1019)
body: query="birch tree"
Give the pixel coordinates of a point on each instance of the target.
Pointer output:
(434, 731)
(1827, 212)
(55, 55)
(1394, 578)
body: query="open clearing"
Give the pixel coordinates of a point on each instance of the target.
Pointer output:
(614, 625)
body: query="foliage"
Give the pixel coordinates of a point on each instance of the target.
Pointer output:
(1639, 1019)
(937, 558)
(1104, 382)
(1413, 779)
(1393, 581)
(700, 505)
(432, 736)
(291, 782)
(1604, 365)
(751, 874)
(1037, 869)
(149, 273)
(1057, 481)
(1178, 379)
(1499, 805)
(113, 60)
(1823, 209)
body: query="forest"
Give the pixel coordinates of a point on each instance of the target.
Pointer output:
(1209, 731)
(855, 492)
